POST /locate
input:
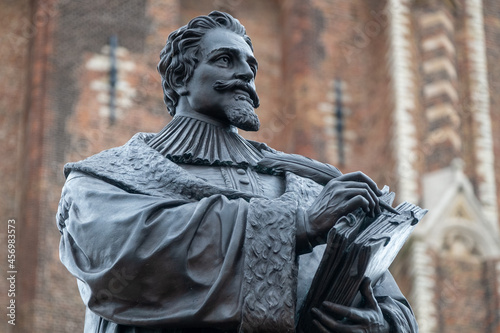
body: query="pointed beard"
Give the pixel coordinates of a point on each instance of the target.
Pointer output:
(243, 117)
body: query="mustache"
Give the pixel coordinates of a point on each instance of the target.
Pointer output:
(223, 85)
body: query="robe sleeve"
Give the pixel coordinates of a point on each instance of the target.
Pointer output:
(152, 261)
(149, 261)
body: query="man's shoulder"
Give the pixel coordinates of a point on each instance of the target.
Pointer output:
(135, 149)
(134, 167)
(137, 168)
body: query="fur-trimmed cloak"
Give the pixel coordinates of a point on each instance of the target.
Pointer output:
(153, 246)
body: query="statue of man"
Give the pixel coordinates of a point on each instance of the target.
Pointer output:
(182, 231)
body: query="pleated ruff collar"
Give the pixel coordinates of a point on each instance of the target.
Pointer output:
(205, 141)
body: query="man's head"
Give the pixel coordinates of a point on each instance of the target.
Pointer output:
(204, 61)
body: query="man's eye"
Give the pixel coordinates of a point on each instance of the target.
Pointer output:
(223, 60)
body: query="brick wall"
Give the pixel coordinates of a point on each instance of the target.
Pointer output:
(369, 122)
(15, 39)
(77, 125)
(303, 48)
(462, 296)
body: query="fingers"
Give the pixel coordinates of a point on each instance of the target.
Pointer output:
(331, 317)
(347, 189)
(340, 311)
(320, 327)
(336, 187)
(370, 203)
(364, 186)
(362, 178)
(349, 199)
(325, 323)
(358, 202)
(340, 197)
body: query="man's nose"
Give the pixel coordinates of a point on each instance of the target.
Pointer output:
(244, 73)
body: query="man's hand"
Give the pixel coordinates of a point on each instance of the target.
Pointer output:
(353, 320)
(340, 197)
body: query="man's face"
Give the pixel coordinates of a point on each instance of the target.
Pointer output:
(222, 85)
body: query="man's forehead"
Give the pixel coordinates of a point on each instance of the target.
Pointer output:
(223, 39)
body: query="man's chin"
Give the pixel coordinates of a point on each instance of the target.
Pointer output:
(243, 118)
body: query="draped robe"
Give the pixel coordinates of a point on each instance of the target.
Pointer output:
(156, 249)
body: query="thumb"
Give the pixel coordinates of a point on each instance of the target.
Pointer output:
(367, 293)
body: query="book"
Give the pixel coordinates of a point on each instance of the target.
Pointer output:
(358, 247)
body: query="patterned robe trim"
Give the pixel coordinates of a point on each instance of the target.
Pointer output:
(270, 273)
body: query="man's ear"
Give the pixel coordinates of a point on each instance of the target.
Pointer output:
(180, 87)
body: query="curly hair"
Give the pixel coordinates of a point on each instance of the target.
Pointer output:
(179, 57)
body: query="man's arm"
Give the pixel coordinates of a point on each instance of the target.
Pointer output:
(150, 261)
(385, 308)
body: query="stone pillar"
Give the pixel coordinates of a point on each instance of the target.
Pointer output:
(423, 288)
(480, 110)
(442, 138)
(403, 81)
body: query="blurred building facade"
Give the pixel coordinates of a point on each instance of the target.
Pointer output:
(408, 91)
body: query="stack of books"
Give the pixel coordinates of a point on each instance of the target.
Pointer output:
(358, 247)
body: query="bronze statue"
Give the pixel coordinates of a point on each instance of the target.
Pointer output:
(184, 231)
